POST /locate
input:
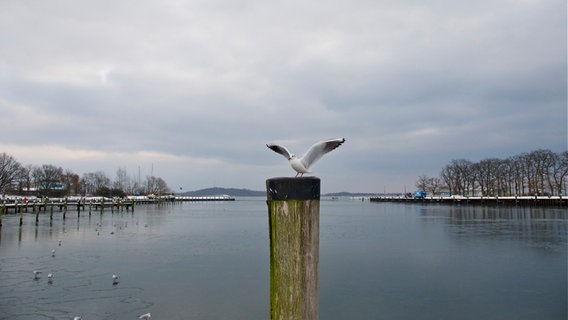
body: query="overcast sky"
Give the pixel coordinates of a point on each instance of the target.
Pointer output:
(192, 91)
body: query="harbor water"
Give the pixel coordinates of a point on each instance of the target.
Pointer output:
(210, 260)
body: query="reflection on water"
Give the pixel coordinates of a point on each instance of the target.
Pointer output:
(543, 227)
(211, 261)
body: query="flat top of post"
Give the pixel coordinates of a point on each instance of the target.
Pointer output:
(288, 188)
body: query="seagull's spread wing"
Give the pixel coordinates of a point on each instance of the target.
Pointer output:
(316, 151)
(280, 149)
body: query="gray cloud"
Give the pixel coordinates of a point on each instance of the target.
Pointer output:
(197, 88)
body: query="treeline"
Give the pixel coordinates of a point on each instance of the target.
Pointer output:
(53, 181)
(540, 172)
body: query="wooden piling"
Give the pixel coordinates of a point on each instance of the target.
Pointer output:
(36, 211)
(293, 214)
(21, 214)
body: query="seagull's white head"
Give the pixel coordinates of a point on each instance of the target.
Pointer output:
(292, 156)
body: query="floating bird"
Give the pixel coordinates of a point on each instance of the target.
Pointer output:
(145, 316)
(314, 153)
(77, 318)
(59, 242)
(114, 279)
(36, 274)
(50, 278)
(53, 252)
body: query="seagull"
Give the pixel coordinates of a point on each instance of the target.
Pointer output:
(77, 318)
(50, 278)
(314, 153)
(114, 279)
(53, 252)
(145, 316)
(36, 274)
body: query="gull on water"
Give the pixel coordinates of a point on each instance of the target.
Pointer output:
(77, 318)
(115, 279)
(314, 153)
(36, 274)
(145, 316)
(50, 278)
(53, 252)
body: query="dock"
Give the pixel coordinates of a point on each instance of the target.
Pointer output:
(205, 198)
(97, 202)
(90, 204)
(533, 201)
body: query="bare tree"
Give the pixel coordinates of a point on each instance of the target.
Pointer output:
(487, 175)
(48, 180)
(422, 183)
(538, 172)
(517, 177)
(560, 173)
(436, 186)
(508, 177)
(71, 180)
(541, 165)
(11, 171)
(122, 180)
(431, 185)
(448, 175)
(95, 181)
(156, 186)
(458, 176)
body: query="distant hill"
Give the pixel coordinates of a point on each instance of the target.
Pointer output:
(252, 193)
(228, 191)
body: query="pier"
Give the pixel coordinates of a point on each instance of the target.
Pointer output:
(534, 201)
(80, 203)
(91, 204)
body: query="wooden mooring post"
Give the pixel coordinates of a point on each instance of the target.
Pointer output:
(19, 207)
(36, 211)
(293, 216)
